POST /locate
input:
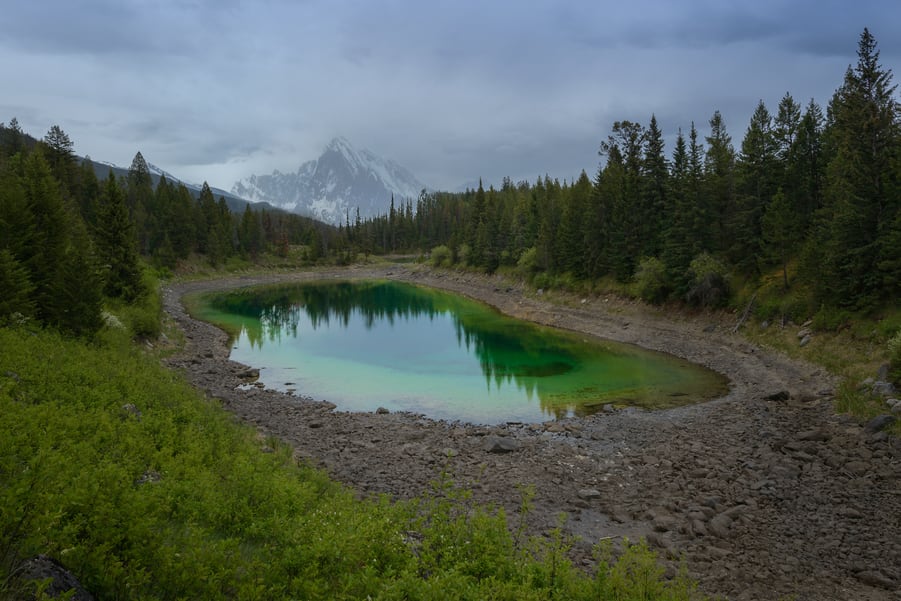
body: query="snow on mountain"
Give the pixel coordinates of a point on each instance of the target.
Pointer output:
(341, 180)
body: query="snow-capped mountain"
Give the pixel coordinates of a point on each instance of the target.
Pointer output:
(341, 180)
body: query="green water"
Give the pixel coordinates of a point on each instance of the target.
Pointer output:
(365, 345)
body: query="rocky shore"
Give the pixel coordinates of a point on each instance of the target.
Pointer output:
(765, 493)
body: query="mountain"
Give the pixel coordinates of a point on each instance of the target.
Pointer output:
(341, 180)
(235, 203)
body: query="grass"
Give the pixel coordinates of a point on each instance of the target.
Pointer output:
(171, 499)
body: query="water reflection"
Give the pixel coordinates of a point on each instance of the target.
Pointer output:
(564, 372)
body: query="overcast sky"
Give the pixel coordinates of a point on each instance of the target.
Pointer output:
(219, 89)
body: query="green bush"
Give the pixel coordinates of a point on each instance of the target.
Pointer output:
(442, 256)
(651, 280)
(709, 282)
(118, 469)
(462, 255)
(894, 355)
(831, 319)
(528, 261)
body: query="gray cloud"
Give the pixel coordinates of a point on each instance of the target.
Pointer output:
(454, 90)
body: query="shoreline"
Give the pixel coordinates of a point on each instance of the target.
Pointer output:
(756, 494)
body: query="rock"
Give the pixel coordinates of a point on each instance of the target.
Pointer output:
(782, 395)
(817, 435)
(884, 389)
(62, 581)
(805, 333)
(382, 411)
(720, 525)
(130, 410)
(555, 427)
(710, 328)
(764, 324)
(589, 493)
(857, 468)
(148, 477)
(880, 422)
(499, 444)
(249, 374)
(876, 578)
(804, 341)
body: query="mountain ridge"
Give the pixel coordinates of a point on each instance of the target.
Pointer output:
(334, 185)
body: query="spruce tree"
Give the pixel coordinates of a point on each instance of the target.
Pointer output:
(117, 244)
(851, 255)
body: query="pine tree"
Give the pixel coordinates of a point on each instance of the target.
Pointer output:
(757, 183)
(655, 175)
(851, 247)
(117, 244)
(719, 179)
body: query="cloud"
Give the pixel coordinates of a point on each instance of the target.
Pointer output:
(453, 90)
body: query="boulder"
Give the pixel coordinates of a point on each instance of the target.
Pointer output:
(884, 389)
(63, 584)
(499, 444)
(880, 422)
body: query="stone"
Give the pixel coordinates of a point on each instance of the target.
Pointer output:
(131, 410)
(805, 333)
(499, 444)
(250, 373)
(857, 468)
(148, 477)
(555, 427)
(884, 389)
(720, 525)
(63, 584)
(882, 374)
(782, 395)
(876, 578)
(817, 435)
(589, 493)
(382, 411)
(880, 422)
(804, 341)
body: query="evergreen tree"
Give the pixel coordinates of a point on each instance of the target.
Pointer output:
(655, 175)
(757, 183)
(140, 202)
(117, 244)
(851, 246)
(719, 176)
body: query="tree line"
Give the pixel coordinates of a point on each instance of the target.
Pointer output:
(70, 242)
(811, 195)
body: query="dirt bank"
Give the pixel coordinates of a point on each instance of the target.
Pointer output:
(763, 498)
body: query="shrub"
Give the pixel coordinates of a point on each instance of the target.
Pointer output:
(831, 319)
(528, 261)
(894, 354)
(651, 281)
(463, 254)
(442, 256)
(709, 282)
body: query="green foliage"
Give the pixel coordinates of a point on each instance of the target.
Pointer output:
(528, 261)
(709, 282)
(118, 469)
(831, 319)
(894, 352)
(651, 280)
(442, 256)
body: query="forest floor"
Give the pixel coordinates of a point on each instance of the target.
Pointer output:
(762, 494)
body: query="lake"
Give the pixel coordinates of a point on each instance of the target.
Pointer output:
(364, 345)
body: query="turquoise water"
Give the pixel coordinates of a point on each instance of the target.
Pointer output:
(365, 345)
